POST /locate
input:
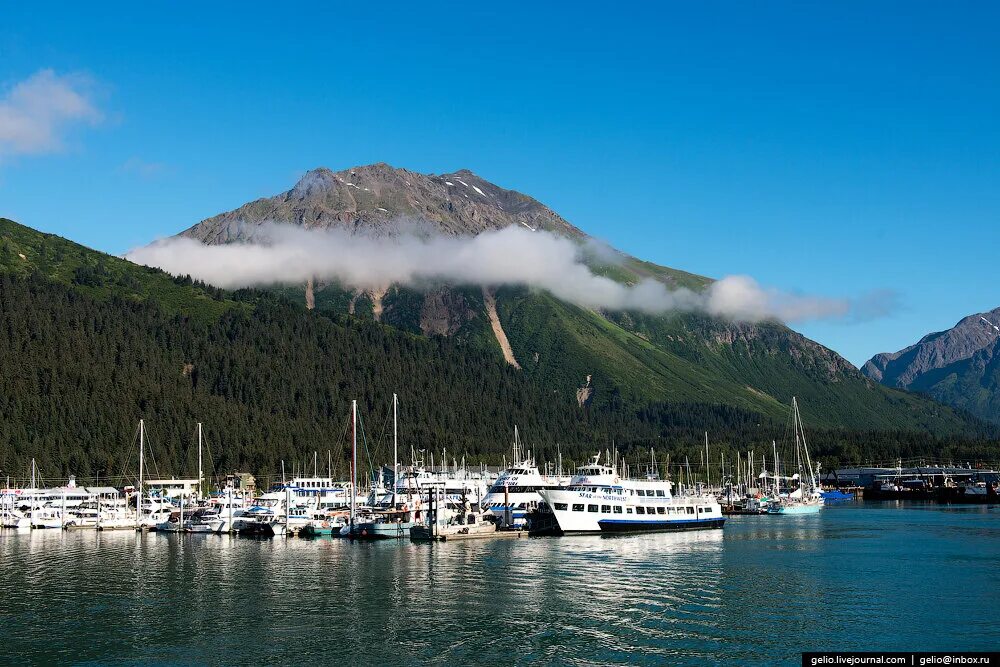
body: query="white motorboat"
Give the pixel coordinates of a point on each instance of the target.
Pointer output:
(516, 492)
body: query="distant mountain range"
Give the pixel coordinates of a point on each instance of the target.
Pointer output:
(634, 356)
(958, 367)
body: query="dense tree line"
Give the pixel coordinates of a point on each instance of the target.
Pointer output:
(273, 382)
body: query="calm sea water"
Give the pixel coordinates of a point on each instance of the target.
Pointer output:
(858, 576)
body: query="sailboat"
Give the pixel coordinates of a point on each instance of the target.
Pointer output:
(802, 493)
(387, 522)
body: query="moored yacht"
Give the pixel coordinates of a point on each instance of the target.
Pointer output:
(516, 492)
(599, 501)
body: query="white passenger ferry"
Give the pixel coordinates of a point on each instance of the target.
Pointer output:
(515, 493)
(599, 501)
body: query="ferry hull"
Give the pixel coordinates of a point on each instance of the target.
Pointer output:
(625, 526)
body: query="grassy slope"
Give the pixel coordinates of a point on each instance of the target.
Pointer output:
(676, 359)
(24, 250)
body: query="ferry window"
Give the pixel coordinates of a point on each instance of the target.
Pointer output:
(659, 493)
(577, 507)
(605, 509)
(618, 509)
(690, 510)
(591, 508)
(640, 510)
(561, 507)
(661, 510)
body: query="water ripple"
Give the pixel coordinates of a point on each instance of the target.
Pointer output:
(759, 592)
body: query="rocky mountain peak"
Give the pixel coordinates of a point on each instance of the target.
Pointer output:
(959, 366)
(373, 197)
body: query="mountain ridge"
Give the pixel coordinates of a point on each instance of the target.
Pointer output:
(676, 356)
(959, 366)
(94, 342)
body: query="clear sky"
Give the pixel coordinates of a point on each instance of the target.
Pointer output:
(826, 148)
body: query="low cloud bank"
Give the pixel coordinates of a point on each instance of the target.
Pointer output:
(512, 256)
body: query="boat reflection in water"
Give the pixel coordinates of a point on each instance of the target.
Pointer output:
(691, 598)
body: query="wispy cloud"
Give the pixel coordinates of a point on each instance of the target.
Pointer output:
(144, 169)
(513, 256)
(36, 113)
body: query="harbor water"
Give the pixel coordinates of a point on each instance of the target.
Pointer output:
(853, 577)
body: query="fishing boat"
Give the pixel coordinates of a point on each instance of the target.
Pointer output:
(450, 522)
(801, 494)
(599, 501)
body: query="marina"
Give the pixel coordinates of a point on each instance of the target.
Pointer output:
(603, 496)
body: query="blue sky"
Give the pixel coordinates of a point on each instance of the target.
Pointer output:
(826, 148)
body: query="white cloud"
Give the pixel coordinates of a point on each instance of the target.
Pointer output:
(36, 113)
(512, 256)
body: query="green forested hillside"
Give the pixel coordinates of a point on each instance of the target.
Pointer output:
(90, 343)
(630, 357)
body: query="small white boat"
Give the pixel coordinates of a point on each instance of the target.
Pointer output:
(46, 517)
(14, 519)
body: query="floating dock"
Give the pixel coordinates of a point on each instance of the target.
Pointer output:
(425, 535)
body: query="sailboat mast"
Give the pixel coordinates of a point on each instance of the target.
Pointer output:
(34, 494)
(142, 448)
(395, 449)
(354, 459)
(708, 477)
(200, 473)
(777, 482)
(805, 447)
